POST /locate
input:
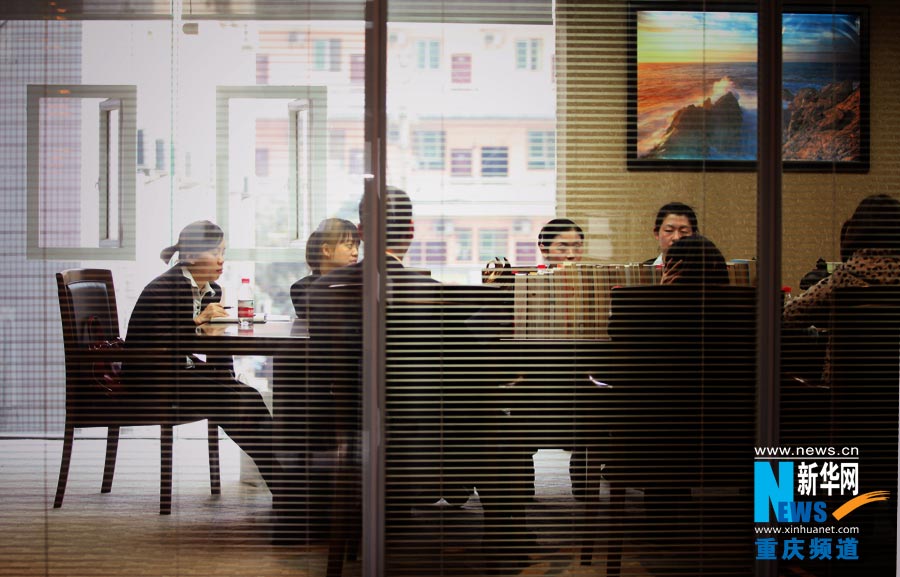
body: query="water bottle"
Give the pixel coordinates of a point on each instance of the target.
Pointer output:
(245, 304)
(786, 295)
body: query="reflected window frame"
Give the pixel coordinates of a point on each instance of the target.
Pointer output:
(117, 171)
(307, 175)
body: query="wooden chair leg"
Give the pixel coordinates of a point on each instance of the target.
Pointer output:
(109, 468)
(215, 483)
(586, 487)
(337, 550)
(592, 516)
(68, 442)
(165, 469)
(616, 542)
(345, 521)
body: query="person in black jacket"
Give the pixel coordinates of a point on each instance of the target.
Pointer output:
(334, 244)
(169, 314)
(694, 260)
(439, 444)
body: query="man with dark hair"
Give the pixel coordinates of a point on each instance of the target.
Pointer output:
(399, 227)
(673, 221)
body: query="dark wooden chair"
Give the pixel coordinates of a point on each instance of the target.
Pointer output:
(467, 407)
(331, 405)
(681, 417)
(95, 396)
(805, 399)
(865, 388)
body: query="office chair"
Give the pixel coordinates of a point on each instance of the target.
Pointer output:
(95, 396)
(681, 417)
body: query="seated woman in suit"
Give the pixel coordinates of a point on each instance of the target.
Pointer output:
(684, 385)
(169, 314)
(561, 240)
(695, 276)
(334, 244)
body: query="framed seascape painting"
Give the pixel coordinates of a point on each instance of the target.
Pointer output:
(692, 74)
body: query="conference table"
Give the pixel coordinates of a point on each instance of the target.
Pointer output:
(462, 409)
(286, 341)
(531, 402)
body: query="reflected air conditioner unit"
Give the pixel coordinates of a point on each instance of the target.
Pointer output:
(494, 39)
(444, 226)
(398, 38)
(522, 226)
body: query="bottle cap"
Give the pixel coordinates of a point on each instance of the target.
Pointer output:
(245, 280)
(785, 289)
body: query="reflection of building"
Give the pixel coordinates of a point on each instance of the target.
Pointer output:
(472, 129)
(471, 135)
(461, 246)
(471, 117)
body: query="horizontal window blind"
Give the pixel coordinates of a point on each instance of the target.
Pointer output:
(471, 11)
(571, 289)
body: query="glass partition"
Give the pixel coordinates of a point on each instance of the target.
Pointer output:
(549, 406)
(125, 122)
(839, 382)
(581, 372)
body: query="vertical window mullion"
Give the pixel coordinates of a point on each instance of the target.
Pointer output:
(110, 192)
(435, 55)
(300, 223)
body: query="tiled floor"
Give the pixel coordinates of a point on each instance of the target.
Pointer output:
(121, 533)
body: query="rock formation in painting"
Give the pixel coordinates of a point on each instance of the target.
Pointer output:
(712, 130)
(823, 124)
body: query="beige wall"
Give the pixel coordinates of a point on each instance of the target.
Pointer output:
(596, 188)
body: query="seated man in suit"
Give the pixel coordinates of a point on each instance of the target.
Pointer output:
(673, 221)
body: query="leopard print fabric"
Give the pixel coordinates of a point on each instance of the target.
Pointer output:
(813, 308)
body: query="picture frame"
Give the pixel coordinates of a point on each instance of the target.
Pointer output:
(692, 78)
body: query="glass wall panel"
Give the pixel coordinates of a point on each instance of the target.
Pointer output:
(839, 242)
(125, 122)
(549, 407)
(576, 380)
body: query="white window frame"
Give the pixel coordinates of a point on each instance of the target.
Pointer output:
(456, 66)
(331, 54)
(428, 54)
(488, 169)
(426, 142)
(307, 153)
(533, 48)
(542, 154)
(117, 171)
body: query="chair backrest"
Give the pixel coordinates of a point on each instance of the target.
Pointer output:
(685, 396)
(87, 306)
(865, 357)
(866, 341)
(441, 405)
